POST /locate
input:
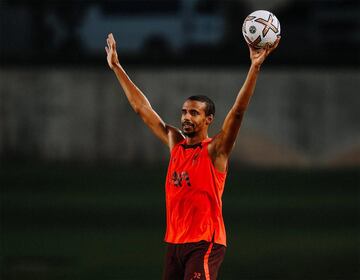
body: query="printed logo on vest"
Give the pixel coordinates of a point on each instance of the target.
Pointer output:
(177, 179)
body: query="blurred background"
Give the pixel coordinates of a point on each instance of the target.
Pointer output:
(82, 177)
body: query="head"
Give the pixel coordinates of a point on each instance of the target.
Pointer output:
(197, 114)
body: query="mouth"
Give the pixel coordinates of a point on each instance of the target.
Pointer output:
(187, 126)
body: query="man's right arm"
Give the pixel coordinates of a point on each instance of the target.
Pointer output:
(167, 134)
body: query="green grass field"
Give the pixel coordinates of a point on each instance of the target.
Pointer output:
(77, 222)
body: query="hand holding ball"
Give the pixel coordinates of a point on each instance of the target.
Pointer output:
(260, 28)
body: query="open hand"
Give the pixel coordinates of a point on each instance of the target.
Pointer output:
(258, 56)
(112, 57)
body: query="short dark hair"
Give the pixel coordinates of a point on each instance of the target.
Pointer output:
(210, 105)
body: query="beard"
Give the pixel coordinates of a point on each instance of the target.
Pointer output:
(188, 129)
(189, 134)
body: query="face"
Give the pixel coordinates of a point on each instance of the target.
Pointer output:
(193, 118)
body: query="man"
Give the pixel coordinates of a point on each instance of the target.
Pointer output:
(197, 171)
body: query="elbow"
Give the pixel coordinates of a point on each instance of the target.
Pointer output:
(138, 108)
(239, 112)
(141, 109)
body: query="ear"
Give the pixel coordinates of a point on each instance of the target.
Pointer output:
(209, 119)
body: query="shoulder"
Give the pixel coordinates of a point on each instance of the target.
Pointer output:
(175, 136)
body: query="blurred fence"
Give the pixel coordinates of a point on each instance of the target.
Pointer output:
(296, 117)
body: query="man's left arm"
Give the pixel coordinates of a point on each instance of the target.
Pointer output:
(221, 147)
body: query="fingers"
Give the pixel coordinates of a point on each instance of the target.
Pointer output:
(278, 39)
(108, 43)
(267, 49)
(276, 43)
(112, 40)
(250, 49)
(253, 50)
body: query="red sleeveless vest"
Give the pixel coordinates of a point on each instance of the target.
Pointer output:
(193, 196)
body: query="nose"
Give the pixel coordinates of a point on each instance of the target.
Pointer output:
(186, 117)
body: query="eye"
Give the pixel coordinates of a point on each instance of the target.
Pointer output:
(194, 113)
(183, 112)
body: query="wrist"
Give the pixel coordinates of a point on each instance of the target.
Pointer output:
(255, 66)
(115, 66)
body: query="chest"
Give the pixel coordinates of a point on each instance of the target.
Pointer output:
(189, 159)
(189, 168)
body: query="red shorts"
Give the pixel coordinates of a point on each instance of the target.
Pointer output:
(193, 261)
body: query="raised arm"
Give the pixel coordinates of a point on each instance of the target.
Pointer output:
(167, 134)
(223, 142)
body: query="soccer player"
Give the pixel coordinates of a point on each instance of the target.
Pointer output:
(195, 231)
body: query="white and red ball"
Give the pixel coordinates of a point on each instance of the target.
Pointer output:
(260, 28)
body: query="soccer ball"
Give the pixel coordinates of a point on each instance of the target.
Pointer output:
(260, 28)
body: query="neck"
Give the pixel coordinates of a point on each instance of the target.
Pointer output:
(196, 139)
